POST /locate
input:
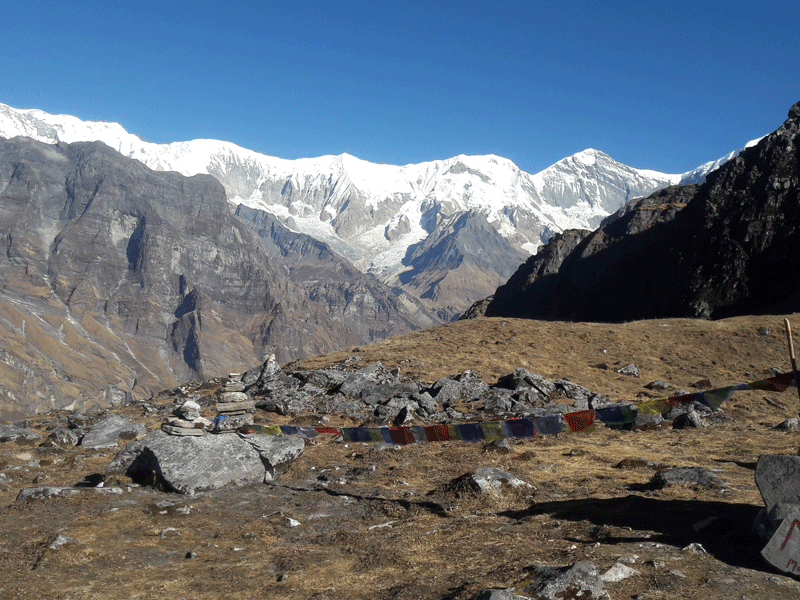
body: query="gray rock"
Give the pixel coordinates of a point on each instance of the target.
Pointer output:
(778, 479)
(783, 549)
(106, 432)
(276, 452)
(190, 465)
(498, 594)
(491, 480)
(689, 419)
(427, 405)
(62, 540)
(686, 476)
(584, 398)
(792, 424)
(9, 433)
(658, 384)
(618, 572)
(181, 431)
(232, 422)
(631, 370)
(372, 374)
(579, 580)
(472, 385)
(446, 390)
(498, 401)
(226, 397)
(61, 437)
(46, 492)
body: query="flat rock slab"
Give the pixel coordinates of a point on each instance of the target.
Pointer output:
(9, 433)
(686, 476)
(783, 549)
(778, 479)
(45, 492)
(190, 465)
(106, 432)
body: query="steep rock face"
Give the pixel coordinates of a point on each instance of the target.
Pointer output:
(719, 249)
(363, 304)
(113, 273)
(454, 266)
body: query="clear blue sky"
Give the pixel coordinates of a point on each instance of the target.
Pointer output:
(661, 85)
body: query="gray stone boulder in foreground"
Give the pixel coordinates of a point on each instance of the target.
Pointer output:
(783, 549)
(190, 465)
(778, 479)
(107, 431)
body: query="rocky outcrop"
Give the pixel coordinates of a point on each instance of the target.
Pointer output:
(363, 304)
(455, 265)
(723, 248)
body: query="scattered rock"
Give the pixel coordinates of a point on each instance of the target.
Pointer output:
(498, 447)
(579, 580)
(10, 433)
(792, 424)
(686, 476)
(491, 480)
(61, 437)
(618, 572)
(62, 540)
(631, 370)
(773, 402)
(658, 384)
(498, 594)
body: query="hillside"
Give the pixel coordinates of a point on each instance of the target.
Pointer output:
(350, 521)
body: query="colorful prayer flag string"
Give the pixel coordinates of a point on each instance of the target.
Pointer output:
(525, 427)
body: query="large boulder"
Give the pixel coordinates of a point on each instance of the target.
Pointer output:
(107, 432)
(190, 465)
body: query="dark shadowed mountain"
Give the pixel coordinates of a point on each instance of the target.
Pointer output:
(726, 247)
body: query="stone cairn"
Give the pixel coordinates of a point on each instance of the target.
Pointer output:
(186, 420)
(234, 407)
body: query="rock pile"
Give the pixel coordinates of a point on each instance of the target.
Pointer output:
(186, 420)
(234, 407)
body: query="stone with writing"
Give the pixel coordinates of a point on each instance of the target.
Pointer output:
(783, 549)
(778, 479)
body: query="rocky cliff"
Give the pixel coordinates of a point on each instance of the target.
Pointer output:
(116, 279)
(725, 247)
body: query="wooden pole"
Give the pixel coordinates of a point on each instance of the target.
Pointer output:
(791, 355)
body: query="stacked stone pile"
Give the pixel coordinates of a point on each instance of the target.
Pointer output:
(234, 407)
(186, 420)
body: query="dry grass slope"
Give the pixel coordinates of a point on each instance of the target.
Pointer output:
(387, 525)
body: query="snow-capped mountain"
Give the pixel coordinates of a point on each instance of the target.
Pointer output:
(377, 215)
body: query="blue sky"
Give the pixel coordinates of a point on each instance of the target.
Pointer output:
(660, 85)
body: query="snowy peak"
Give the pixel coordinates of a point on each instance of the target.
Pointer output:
(376, 214)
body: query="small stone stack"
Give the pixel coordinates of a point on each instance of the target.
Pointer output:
(186, 420)
(234, 407)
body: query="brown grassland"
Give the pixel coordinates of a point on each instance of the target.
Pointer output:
(348, 522)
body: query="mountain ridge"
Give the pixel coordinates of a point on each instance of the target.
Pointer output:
(372, 214)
